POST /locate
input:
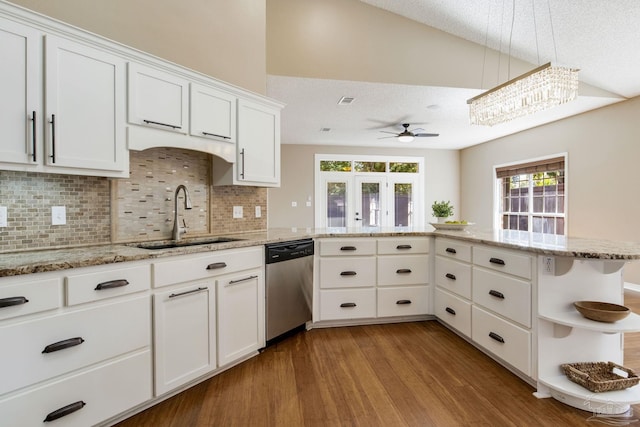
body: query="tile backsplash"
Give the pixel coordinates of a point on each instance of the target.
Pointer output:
(140, 208)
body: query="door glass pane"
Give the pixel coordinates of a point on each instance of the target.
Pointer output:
(403, 204)
(336, 204)
(370, 204)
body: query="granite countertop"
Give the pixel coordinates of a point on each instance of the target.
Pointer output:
(35, 261)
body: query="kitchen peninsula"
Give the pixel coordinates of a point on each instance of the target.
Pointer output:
(507, 293)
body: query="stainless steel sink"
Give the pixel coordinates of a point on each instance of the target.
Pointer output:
(170, 245)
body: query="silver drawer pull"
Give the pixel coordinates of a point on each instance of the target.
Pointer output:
(348, 273)
(11, 301)
(216, 135)
(111, 284)
(64, 411)
(192, 291)
(496, 294)
(450, 310)
(496, 337)
(151, 122)
(347, 304)
(403, 271)
(244, 279)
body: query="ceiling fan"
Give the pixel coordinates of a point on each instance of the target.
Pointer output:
(407, 135)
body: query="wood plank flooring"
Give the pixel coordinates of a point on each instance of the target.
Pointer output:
(407, 374)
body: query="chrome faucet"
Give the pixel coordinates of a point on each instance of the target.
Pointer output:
(178, 230)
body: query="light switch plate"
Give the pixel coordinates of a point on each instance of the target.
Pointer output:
(258, 211)
(237, 211)
(3, 216)
(58, 215)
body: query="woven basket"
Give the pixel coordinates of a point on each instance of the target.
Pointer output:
(599, 376)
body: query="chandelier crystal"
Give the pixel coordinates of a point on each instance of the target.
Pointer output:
(537, 90)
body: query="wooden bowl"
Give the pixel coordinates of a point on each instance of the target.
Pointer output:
(602, 311)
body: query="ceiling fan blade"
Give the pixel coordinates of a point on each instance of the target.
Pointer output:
(392, 133)
(385, 137)
(421, 135)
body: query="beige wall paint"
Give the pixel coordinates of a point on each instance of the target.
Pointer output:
(603, 149)
(442, 173)
(221, 38)
(351, 40)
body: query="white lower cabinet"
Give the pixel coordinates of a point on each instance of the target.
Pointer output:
(85, 398)
(347, 304)
(509, 342)
(403, 301)
(184, 332)
(454, 311)
(241, 317)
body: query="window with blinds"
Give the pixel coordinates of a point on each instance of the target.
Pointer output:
(532, 196)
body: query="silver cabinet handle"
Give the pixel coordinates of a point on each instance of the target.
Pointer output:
(242, 156)
(244, 279)
(149, 122)
(192, 291)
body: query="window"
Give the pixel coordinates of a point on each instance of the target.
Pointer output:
(532, 196)
(368, 191)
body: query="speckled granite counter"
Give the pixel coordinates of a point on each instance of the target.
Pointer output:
(17, 263)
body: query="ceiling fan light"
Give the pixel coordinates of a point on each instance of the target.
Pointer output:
(405, 138)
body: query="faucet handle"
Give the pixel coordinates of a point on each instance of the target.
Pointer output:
(184, 224)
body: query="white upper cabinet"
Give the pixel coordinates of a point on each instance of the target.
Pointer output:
(213, 113)
(77, 125)
(21, 89)
(258, 147)
(158, 99)
(85, 106)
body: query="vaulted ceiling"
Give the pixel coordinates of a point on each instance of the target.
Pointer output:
(399, 83)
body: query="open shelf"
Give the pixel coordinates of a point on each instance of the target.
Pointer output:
(574, 319)
(591, 401)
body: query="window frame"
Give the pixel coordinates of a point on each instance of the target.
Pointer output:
(497, 194)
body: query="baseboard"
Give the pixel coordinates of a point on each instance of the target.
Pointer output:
(632, 288)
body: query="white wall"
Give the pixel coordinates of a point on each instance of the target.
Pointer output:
(442, 180)
(603, 172)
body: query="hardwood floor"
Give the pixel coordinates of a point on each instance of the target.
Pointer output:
(407, 374)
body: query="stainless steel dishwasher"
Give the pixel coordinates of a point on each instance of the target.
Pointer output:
(289, 286)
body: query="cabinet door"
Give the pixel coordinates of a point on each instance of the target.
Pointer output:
(258, 143)
(157, 99)
(21, 89)
(240, 315)
(213, 113)
(84, 107)
(184, 329)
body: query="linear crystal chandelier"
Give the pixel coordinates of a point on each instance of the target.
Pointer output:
(539, 89)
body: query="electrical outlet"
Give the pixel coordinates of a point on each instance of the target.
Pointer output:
(258, 211)
(548, 264)
(3, 216)
(294, 204)
(237, 212)
(308, 204)
(58, 215)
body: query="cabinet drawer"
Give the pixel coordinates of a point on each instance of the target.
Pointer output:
(403, 270)
(403, 301)
(453, 249)
(396, 246)
(29, 296)
(185, 268)
(347, 304)
(107, 331)
(454, 311)
(106, 282)
(453, 276)
(509, 342)
(107, 390)
(347, 247)
(350, 272)
(505, 295)
(504, 261)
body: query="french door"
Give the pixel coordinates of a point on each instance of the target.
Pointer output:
(366, 201)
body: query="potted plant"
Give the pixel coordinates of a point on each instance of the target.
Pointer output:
(442, 210)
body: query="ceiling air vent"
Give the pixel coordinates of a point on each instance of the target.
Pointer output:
(325, 129)
(346, 100)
